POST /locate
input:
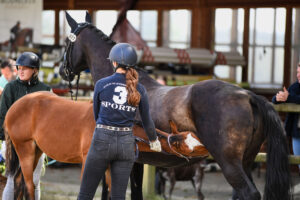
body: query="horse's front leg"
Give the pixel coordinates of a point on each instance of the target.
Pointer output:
(198, 179)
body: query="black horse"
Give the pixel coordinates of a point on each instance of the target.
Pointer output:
(231, 122)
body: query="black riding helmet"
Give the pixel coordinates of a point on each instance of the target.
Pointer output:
(28, 59)
(124, 54)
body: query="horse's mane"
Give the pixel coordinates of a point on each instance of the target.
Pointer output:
(102, 35)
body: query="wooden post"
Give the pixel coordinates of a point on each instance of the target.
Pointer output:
(56, 28)
(149, 180)
(246, 44)
(287, 47)
(71, 4)
(195, 32)
(159, 41)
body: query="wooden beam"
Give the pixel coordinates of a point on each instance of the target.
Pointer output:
(159, 33)
(251, 3)
(287, 47)
(166, 4)
(195, 28)
(56, 27)
(206, 26)
(71, 4)
(246, 44)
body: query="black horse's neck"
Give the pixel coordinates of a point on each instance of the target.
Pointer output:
(96, 46)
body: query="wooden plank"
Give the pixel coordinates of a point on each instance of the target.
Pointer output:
(262, 157)
(246, 44)
(287, 107)
(159, 34)
(115, 4)
(287, 47)
(250, 3)
(56, 28)
(166, 4)
(196, 29)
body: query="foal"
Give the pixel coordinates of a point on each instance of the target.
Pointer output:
(193, 173)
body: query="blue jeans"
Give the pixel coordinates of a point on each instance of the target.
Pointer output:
(296, 147)
(114, 148)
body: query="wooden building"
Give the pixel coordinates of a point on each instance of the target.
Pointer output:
(202, 21)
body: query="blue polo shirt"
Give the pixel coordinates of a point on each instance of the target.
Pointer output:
(111, 107)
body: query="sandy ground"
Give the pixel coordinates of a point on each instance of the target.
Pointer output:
(63, 183)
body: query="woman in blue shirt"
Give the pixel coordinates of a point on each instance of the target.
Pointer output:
(116, 99)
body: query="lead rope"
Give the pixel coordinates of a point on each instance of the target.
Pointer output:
(179, 154)
(77, 87)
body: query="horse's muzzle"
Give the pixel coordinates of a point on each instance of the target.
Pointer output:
(64, 76)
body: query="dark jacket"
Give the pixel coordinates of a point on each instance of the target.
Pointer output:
(291, 121)
(112, 108)
(13, 91)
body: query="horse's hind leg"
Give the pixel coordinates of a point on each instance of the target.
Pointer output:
(28, 155)
(239, 180)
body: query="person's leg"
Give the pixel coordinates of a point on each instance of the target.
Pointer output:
(37, 176)
(296, 147)
(121, 167)
(120, 172)
(8, 192)
(95, 166)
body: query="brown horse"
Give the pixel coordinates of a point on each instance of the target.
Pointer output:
(231, 122)
(63, 129)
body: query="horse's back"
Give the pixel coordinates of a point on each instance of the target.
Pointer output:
(41, 104)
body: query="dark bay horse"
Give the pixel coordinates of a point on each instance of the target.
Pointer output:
(63, 129)
(231, 122)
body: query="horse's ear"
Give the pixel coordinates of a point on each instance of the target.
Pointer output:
(72, 23)
(88, 17)
(162, 132)
(173, 127)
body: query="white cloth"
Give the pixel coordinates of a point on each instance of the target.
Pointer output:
(8, 192)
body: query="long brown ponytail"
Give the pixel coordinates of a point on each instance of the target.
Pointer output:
(132, 78)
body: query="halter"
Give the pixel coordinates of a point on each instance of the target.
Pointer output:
(67, 64)
(138, 139)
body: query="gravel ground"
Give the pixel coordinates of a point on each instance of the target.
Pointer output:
(63, 183)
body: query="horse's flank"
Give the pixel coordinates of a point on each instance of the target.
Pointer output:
(46, 113)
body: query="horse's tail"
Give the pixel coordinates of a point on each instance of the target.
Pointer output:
(278, 181)
(13, 169)
(11, 157)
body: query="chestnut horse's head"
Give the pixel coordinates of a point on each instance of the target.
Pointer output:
(185, 143)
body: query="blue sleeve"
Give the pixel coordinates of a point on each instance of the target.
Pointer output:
(96, 100)
(274, 100)
(294, 94)
(147, 121)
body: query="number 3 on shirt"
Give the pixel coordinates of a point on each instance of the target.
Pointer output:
(121, 98)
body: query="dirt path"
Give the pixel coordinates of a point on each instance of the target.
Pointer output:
(64, 184)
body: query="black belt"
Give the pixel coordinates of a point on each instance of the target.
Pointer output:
(113, 128)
